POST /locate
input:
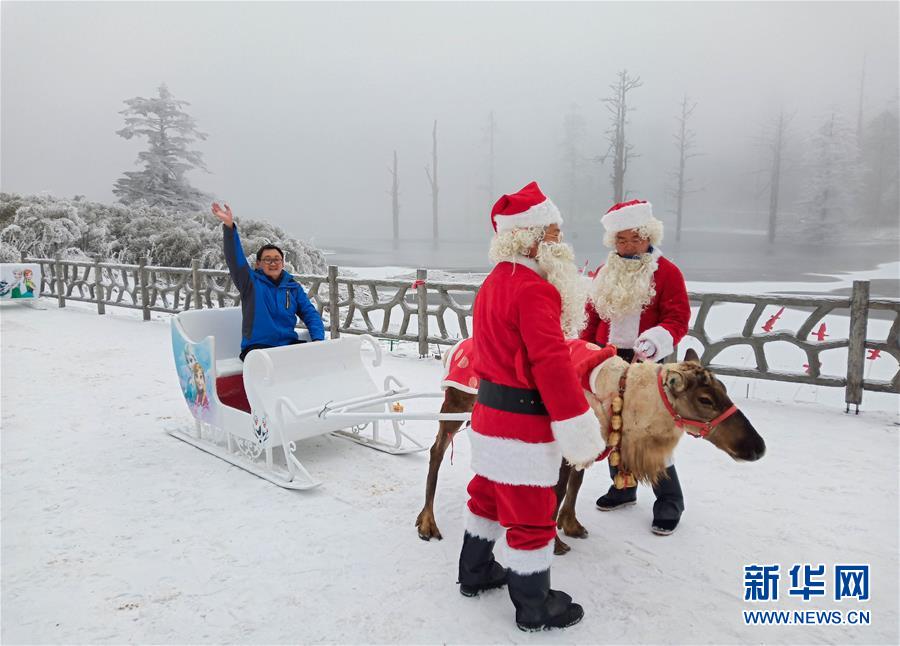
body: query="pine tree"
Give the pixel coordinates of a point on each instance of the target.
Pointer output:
(170, 131)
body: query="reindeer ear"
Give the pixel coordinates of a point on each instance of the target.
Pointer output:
(691, 356)
(676, 381)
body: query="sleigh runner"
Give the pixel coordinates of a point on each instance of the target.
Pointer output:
(253, 414)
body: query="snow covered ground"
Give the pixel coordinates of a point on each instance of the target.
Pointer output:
(113, 531)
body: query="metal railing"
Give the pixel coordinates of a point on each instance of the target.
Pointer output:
(418, 312)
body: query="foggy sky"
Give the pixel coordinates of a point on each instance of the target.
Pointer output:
(305, 102)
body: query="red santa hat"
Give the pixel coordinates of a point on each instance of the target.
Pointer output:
(628, 215)
(527, 208)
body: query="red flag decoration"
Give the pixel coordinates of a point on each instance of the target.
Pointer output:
(806, 368)
(417, 283)
(771, 322)
(820, 334)
(584, 267)
(873, 354)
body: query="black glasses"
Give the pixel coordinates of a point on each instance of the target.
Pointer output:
(271, 261)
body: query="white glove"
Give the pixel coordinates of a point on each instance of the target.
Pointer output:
(646, 348)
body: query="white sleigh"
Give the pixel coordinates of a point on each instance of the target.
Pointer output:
(253, 414)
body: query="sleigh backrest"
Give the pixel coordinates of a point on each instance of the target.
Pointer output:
(223, 323)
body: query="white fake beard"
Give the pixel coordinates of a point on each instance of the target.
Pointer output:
(624, 286)
(558, 262)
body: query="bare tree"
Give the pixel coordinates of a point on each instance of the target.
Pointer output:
(490, 133)
(859, 114)
(574, 134)
(617, 104)
(685, 143)
(881, 159)
(432, 174)
(395, 200)
(773, 141)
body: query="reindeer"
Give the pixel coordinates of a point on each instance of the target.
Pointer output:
(660, 403)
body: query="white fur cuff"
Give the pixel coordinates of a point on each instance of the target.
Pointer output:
(525, 562)
(579, 438)
(660, 337)
(479, 527)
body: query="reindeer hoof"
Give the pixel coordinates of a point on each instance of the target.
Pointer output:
(576, 532)
(427, 528)
(559, 547)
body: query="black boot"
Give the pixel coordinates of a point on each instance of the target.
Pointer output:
(669, 503)
(616, 498)
(537, 606)
(477, 568)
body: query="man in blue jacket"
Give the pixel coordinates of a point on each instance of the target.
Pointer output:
(271, 300)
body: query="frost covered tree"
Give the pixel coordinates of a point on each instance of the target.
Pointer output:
(170, 132)
(619, 148)
(46, 228)
(833, 181)
(43, 226)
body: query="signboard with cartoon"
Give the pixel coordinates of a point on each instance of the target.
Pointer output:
(20, 280)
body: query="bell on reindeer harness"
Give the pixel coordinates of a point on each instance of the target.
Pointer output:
(617, 404)
(614, 459)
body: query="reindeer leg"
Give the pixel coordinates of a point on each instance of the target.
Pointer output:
(559, 546)
(455, 401)
(566, 520)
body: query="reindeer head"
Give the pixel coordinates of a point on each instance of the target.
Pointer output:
(697, 394)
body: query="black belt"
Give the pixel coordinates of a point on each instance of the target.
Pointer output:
(509, 399)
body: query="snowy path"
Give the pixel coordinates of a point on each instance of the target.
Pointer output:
(114, 532)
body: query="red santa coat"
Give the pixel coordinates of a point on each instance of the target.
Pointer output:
(664, 320)
(519, 342)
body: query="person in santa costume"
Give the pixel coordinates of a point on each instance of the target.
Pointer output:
(531, 410)
(639, 303)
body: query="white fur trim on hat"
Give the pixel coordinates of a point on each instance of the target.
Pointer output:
(514, 462)
(539, 215)
(480, 527)
(525, 562)
(579, 437)
(661, 338)
(628, 217)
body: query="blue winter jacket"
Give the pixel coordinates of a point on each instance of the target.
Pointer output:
(270, 308)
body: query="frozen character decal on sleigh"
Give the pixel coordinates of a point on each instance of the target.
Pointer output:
(193, 363)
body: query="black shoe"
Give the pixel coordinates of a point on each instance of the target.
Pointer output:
(669, 503)
(496, 579)
(477, 568)
(617, 498)
(664, 527)
(537, 606)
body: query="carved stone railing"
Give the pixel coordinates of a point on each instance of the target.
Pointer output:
(858, 305)
(426, 312)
